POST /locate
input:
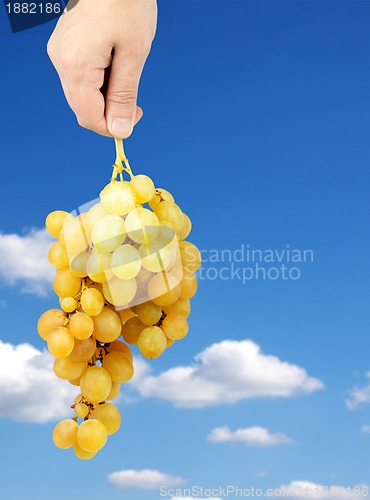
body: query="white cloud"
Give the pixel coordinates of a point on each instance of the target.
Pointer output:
(251, 436)
(29, 389)
(365, 428)
(24, 258)
(309, 490)
(359, 395)
(145, 479)
(225, 373)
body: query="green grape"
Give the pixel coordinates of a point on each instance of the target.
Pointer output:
(81, 325)
(126, 262)
(160, 195)
(119, 292)
(109, 415)
(175, 326)
(65, 284)
(186, 228)
(78, 266)
(119, 367)
(83, 350)
(99, 266)
(142, 225)
(131, 330)
(92, 435)
(92, 301)
(119, 346)
(170, 212)
(148, 313)
(54, 222)
(114, 391)
(181, 306)
(190, 256)
(96, 384)
(143, 188)
(60, 342)
(109, 233)
(81, 410)
(65, 433)
(107, 325)
(68, 304)
(82, 454)
(155, 256)
(58, 256)
(164, 289)
(188, 285)
(50, 320)
(152, 342)
(118, 198)
(68, 368)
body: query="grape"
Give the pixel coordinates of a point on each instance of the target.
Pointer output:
(119, 346)
(92, 301)
(54, 222)
(170, 342)
(170, 212)
(60, 342)
(188, 285)
(81, 326)
(143, 188)
(75, 235)
(78, 266)
(83, 350)
(152, 342)
(81, 410)
(65, 284)
(107, 325)
(78, 399)
(109, 415)
(119, 367)
(148, 313)
(96, 213)
(142, 280)
(164, 289)
(82, 454)
(109, 233)
(125, 314)
(186, 228)
(190, 256)
(155, 256)
(132, 329)
(69, 369)
(126, 262)
(175, 326)
(118, 198)
(95, 384)
(119, 292)
(142, 225)
(160, 194)
(114, 391)
(50, 320)
(181, 306)
(58, 256)
(65, 433)
(68, 304)
(75, 381)
(92, 435)
(99, 266)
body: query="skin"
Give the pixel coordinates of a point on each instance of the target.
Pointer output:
(95, 36)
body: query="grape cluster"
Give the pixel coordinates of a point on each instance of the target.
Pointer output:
(124, 275)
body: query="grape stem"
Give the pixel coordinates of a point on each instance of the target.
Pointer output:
(120, 157)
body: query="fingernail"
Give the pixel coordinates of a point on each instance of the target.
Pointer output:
(121, 128)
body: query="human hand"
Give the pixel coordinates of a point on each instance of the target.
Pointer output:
(96, 35)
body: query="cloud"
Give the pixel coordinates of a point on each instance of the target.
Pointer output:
(309, 490)
(24, 258)
(251, 436)
(365, 428)
(359, 396)
(29, 389)
(145, 479)
(225, 373)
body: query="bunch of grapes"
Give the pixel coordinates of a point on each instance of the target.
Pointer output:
(124, 275)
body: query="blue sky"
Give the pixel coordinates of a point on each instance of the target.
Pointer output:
(257, 119)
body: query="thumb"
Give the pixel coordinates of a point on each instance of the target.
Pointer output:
(120, 103)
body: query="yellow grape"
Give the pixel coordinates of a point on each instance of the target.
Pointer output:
(188, 285)
(95, 213)
(148, 313)
(54, 222)
(68, 368)
(181, 306)
(152, 342)
(143, 188)
(126, 314)
(75, 381)
(99, 266)
(119, 292)
(83, 350)
(190, 256)
(65, 433)
(109, 233)
(109, 415)
(170, 212)
(164, 289)
(160, 195)
(76, 236)
(68, 304)
(65, 284)
(118, 198)
(50, 320)
(60, 342)
(107, 325)
(119, 346)
(126, 262)
(78, 399)
(155, 256)
(92, 435)
(81, 410)
(82, 454)
(81, 326)
(142, 225)
(96, 384)
(78, 266)
(186, 228)
(175, 326)
(170, 342)
(131, 330)
(114, 391)
(92, 301)
(58, 256)
(119, 367)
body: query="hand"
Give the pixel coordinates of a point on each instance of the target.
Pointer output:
(89, 38)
